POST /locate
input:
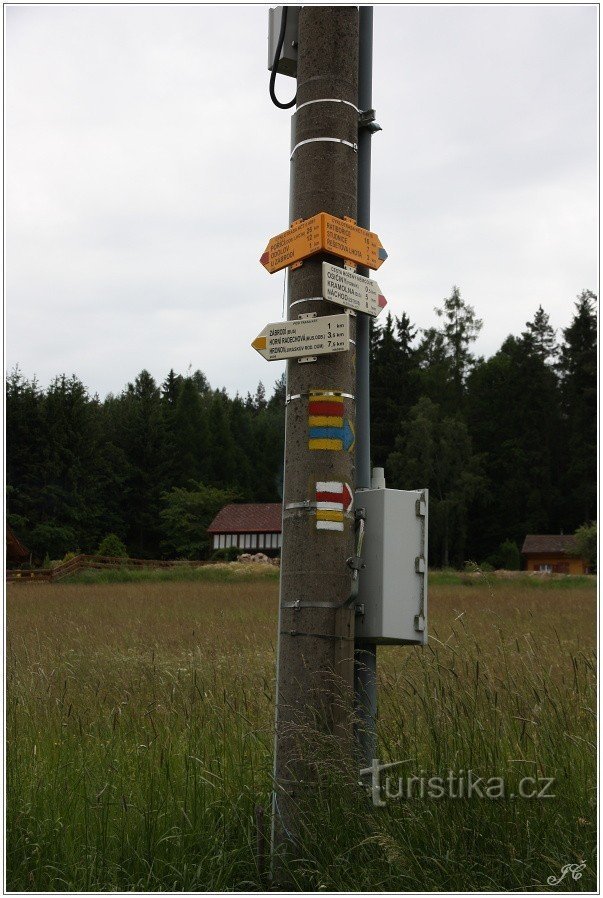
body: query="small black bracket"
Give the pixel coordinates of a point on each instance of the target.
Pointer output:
(366, 119)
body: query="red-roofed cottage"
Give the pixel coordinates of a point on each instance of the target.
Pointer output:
(254, 527)
(553, 554)
(16, 552)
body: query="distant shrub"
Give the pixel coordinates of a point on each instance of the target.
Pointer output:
(68, 556)
(472, 567)
(113, 546)
(507, 557)
(586, 544)
(510, 555)
(52, 540)
(229, 554)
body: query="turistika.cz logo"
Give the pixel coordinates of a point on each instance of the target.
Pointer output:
(455, 784)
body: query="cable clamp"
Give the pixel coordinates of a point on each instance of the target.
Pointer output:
(347, 143)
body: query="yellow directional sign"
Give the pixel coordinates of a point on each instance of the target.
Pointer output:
(323, 233)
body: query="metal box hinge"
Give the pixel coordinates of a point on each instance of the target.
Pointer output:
(419, 623)
(420, 564)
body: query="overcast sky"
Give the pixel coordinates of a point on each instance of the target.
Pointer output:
(146, 168)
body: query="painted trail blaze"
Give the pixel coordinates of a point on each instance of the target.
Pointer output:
(332, 500)
(327, 427)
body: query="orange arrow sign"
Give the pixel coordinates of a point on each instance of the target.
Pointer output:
(323, 233)
(303, 239)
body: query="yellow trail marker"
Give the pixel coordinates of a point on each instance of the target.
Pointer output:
(323, 233)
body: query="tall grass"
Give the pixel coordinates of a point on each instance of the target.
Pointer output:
(140, 742)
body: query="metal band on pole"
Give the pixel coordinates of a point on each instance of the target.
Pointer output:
(302, 143)
(327, 100)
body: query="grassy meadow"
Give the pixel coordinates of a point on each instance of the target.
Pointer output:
(139, 727)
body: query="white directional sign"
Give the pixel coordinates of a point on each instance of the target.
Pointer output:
(304, 337)
(346, 288)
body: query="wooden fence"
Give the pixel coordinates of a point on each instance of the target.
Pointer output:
(100, 562)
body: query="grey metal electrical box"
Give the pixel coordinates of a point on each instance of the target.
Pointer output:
(287, 64)
(392, 596)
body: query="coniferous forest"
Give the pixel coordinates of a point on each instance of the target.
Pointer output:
(506, 445)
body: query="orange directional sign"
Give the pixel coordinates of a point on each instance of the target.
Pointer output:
(345, 239)
(303, 239)
(323, 233)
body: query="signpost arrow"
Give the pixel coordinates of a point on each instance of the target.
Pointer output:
(345, 239)
(346, 288)
(303, 239)
(304, 337)
(323, 233)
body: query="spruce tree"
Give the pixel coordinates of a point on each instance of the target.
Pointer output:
(578, 371)
(394, 382)
(190, 437)
(170, 388)
(460, 328)
(514, 421)
(223, 466)
(541, 336)
(434, 451)
(25, 450)
(142, 438)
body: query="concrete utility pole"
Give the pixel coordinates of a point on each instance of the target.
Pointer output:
(315, 667)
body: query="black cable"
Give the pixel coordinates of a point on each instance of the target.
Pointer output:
(277, 56)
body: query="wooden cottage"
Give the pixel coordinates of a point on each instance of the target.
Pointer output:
(16, 551)
(553, 554)
(255, 527)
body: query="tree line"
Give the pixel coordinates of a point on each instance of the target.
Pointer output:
(506, 445)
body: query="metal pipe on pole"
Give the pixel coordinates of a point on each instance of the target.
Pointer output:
(365, 654)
